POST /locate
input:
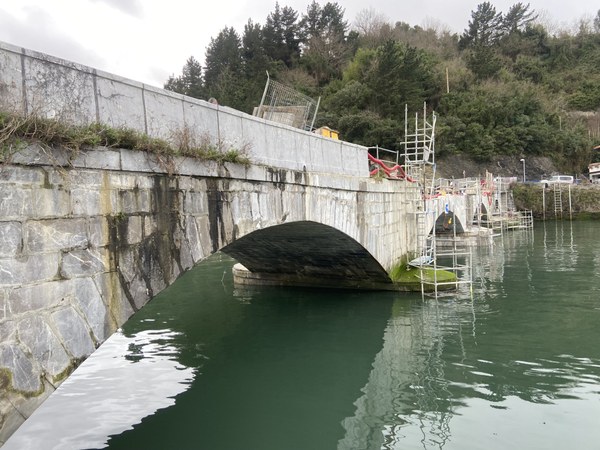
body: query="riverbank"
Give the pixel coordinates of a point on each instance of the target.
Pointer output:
(584, 200)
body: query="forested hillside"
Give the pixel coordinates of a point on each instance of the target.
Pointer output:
(505, 86)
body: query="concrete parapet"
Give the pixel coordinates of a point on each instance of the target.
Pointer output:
(33, 83)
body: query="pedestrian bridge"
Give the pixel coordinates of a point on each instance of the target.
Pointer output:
(88, 238)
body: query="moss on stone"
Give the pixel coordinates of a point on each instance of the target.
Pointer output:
(409, 278)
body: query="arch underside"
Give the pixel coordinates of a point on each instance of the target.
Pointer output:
(309, 253)
(448, 222)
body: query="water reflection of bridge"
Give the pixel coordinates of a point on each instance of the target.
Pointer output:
(410, 395)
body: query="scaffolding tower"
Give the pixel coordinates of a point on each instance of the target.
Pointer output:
(419, 164)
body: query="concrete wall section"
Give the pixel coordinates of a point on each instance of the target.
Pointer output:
(35, 83)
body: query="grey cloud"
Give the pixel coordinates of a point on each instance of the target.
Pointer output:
(131, 7)
(38, 32)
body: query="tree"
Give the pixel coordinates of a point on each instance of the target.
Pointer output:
(190, 82)
(281, 35)
(325, 47)
(597, 22)
(485, 27)
(517, 18)
(223, 75)
(255, 64)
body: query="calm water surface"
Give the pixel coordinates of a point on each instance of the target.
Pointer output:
(206, 366)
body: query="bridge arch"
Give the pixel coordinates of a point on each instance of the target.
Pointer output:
(448, 222)
(308, 253)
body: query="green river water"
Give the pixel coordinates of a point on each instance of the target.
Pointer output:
(208, 366)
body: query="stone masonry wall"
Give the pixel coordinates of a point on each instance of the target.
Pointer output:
(86, 242)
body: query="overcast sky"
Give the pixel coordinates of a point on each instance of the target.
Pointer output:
(148, 40)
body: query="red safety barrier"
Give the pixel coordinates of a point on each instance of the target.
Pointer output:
(389, 171)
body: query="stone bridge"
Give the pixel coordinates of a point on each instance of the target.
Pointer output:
(87, 239)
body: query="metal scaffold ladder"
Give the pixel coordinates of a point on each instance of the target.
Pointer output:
(558, 207)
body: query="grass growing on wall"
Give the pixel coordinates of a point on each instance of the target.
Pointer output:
(17, 131)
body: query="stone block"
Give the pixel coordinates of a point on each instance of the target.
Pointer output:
(120, 102)
(44, 296)
(198, 167)
(164, 112)
(86, 202)
(89, 300)
(49, 203)
(128, 264)
(25, 375)
(134, 229)
(16, 203)
(99, 158)
(43, 344)
(35, 154)
(24, 176)
(195, 203)
(11, 81)
(10, 238)
(74, 333)
(55, 235)
(8, 328)
(136, 161)
(150, 226)
(82, 263)
(201, 119)
(113, 295)
(138, 291)
(28, 269)
(70, 179)
(98, 231)
(63, 91)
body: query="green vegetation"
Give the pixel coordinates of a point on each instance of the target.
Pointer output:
(17, 131)
(409, 278)
(506, 85)
(585, 200)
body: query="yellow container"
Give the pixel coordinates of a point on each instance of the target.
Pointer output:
(327, 132)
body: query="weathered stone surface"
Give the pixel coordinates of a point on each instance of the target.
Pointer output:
(10, 238)
(74, 178)
(56, 234)
(86, 202)
(79, 263)
(195, 203)
(134, 230)
(27, 269)
(74, 333)
(150, 225)
(61, 91)
(114, 296)
(35, 154)
(139, 162)
(120, 102)
(51, 203)
(25, 376)
(11, 82)
(43, 344)
(98, 231)
(26, 177)
(7, 329)
(16, 203)
(3, 305)
(99, 158)
(45, 296)
(89, 300)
